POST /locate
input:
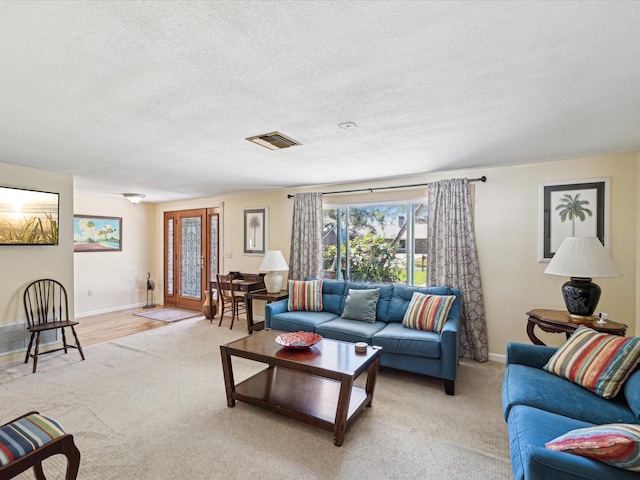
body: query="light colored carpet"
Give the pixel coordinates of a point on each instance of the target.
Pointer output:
(168, 314)
(152, 406)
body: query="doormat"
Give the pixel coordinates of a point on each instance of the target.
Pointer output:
(169, 314)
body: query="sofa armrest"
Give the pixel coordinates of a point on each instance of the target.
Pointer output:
(531, 355)
(543, 464)
(274, 308)
(450, 348)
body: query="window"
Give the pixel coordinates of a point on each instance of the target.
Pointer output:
(385, 242)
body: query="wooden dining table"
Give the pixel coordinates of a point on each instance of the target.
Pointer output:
(243, 282)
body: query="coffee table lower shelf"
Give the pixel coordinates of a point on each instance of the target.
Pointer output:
(305, 397)
(315, 385)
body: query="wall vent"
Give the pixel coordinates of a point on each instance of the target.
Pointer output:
(14, 337)
(274, 141)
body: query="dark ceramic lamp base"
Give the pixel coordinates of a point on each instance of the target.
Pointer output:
(581, 297)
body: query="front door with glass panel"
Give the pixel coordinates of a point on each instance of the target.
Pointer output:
(191, 255)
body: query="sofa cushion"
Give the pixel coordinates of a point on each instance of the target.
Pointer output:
(386, 290)
(428, 312)
(614, 444)
(349, 330)
(599, 362)
(535, 387)
(333, 293)
(530, 428)
(361, 305)
(300, 320)
(402, 295)
(305, 295)
(396, 338)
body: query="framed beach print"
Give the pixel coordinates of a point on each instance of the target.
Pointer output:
(578, 208)
(97, 234)
(255, 231)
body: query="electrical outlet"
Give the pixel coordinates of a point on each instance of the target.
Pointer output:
(227, 254)
(91, 293)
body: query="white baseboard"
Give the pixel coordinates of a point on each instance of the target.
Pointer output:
(109, 310)
(495, 357)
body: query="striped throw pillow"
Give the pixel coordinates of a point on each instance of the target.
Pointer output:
(616, 444)
(428, 312)
(25, 435)
(305, 295)
(596, 361)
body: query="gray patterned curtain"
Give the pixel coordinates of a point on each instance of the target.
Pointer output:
(453, 259)
(305, 260)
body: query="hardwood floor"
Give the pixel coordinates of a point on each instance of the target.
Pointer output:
(107, 326)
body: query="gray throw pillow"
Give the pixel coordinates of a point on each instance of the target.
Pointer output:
(361, 305)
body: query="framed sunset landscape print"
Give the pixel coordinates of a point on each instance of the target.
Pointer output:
(28, 217)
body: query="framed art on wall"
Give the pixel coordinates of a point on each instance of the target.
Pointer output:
(578, 208)
(28, 217)
(255, 231)
(97, 234)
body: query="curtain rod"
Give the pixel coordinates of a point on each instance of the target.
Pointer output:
(480, 179)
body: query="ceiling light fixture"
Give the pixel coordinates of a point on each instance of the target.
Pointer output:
(133, 197)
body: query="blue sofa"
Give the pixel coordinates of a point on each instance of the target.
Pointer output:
(540, 406)
(427, 353)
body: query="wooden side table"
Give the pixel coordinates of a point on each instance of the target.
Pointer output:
(260, 295)
(559, 321)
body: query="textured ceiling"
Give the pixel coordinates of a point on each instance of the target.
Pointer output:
(158, 97)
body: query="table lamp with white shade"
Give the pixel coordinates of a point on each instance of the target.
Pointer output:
(274, 263)
(581, 259)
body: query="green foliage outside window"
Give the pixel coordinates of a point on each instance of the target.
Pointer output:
(371, 259)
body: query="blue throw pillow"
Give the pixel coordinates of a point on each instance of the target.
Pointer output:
(361, 305)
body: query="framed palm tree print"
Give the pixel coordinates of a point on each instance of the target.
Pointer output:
(255, 231)
(578, 208)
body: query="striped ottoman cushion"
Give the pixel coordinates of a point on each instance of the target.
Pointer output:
(26, 435)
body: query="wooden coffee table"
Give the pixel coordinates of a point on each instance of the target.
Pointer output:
(314, 385)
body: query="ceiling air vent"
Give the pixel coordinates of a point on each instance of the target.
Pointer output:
(274, 141)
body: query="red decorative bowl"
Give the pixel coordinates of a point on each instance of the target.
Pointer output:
(298, 339)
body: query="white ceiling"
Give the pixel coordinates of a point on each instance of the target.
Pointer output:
(158, 97)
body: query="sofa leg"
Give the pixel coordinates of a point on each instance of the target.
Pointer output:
(448, 387)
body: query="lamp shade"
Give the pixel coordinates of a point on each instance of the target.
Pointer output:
(582, 257)
(273, 262)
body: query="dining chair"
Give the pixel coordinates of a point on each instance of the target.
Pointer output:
(227, 295)
(47, 308)
(28, 440)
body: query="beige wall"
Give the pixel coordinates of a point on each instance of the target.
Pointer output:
(637, 242)
(117, 279)
(23, 264)
(231, 229)
(506, 213)
(507, 231)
